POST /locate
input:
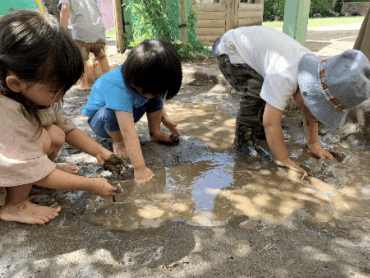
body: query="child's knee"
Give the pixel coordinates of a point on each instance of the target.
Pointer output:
(57, 136)
(46, 141)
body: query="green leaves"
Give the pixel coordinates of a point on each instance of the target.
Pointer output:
(160, 19)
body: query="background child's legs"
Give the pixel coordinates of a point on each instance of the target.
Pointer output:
(84, 48)
(104, 65)
(99, 51)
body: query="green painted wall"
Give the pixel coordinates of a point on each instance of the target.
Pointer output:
(6, 5)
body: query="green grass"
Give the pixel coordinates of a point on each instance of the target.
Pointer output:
(110, 33)
(320, 22)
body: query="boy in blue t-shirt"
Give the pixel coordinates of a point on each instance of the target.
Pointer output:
(120, 98)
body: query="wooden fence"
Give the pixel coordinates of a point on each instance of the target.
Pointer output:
(214, 19)
(351, 7)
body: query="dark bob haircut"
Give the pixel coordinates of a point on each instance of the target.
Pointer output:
(37, 49)
(154, 66)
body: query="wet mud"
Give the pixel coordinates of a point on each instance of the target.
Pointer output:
(209, 211)
(226, 184)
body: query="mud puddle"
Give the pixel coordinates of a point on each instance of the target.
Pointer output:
(211, 193)
(228, 185)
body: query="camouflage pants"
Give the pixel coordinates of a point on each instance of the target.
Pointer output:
(246, 80)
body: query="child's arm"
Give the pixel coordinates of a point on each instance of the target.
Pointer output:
(78, 139)
(64, 15)
(274, 135)
(61, 180)
(311, 129)
(169, 124)
(127, 127)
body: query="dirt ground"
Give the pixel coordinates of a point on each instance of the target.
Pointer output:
(316, 229)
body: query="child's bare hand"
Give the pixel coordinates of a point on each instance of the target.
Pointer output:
(319, 151)
(103, 156)
(112, 163)
(102, 187)
(143, 175)
(290, 164)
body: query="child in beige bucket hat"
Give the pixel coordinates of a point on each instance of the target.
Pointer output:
(268, 67)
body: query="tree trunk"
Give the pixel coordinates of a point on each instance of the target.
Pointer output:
(333, 5)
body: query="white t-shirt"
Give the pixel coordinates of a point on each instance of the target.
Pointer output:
(272, 53)
(86, 20)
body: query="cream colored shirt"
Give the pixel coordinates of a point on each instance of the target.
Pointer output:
(22, 160)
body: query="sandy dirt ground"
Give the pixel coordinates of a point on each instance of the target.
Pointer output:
(286, 228)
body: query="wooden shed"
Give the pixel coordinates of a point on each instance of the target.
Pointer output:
(214, 19)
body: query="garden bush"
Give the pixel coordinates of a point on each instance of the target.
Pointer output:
(273, 7)
(320, 6)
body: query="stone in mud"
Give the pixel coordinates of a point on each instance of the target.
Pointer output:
(116, 165)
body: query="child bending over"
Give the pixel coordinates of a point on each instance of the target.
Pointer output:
(269, 67)
(120, 98)
(39, 62)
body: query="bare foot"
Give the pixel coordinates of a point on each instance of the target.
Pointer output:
(29, 213)
(83, 88)
(119, 149)
(68, 167)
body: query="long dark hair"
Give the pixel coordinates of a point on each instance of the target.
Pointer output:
(38, 50)
(154, 66)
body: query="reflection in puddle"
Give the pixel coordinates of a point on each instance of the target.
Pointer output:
(212, 193)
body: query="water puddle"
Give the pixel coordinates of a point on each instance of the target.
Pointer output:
(211, 193)
(215, 191)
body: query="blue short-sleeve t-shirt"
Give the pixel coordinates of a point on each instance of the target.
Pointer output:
(112, 91)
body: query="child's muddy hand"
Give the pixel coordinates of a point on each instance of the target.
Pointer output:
(291, 165)
(115, 164)
(143, 175)
(102, 187)
(319, 151)
(174, 137)
(339, 156)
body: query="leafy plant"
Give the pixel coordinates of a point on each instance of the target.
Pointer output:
(320, 6)
(273, 7)
(160, 19)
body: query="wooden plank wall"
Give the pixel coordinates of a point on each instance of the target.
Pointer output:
(211, 22)
(217, 18)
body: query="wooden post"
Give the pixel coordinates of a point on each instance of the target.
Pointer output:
(228, 16)
(118, 23)
(182, 26)
(234, 17)
(296, 14)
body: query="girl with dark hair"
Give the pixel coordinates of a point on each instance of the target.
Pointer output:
(39, 62)
(151, 73)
